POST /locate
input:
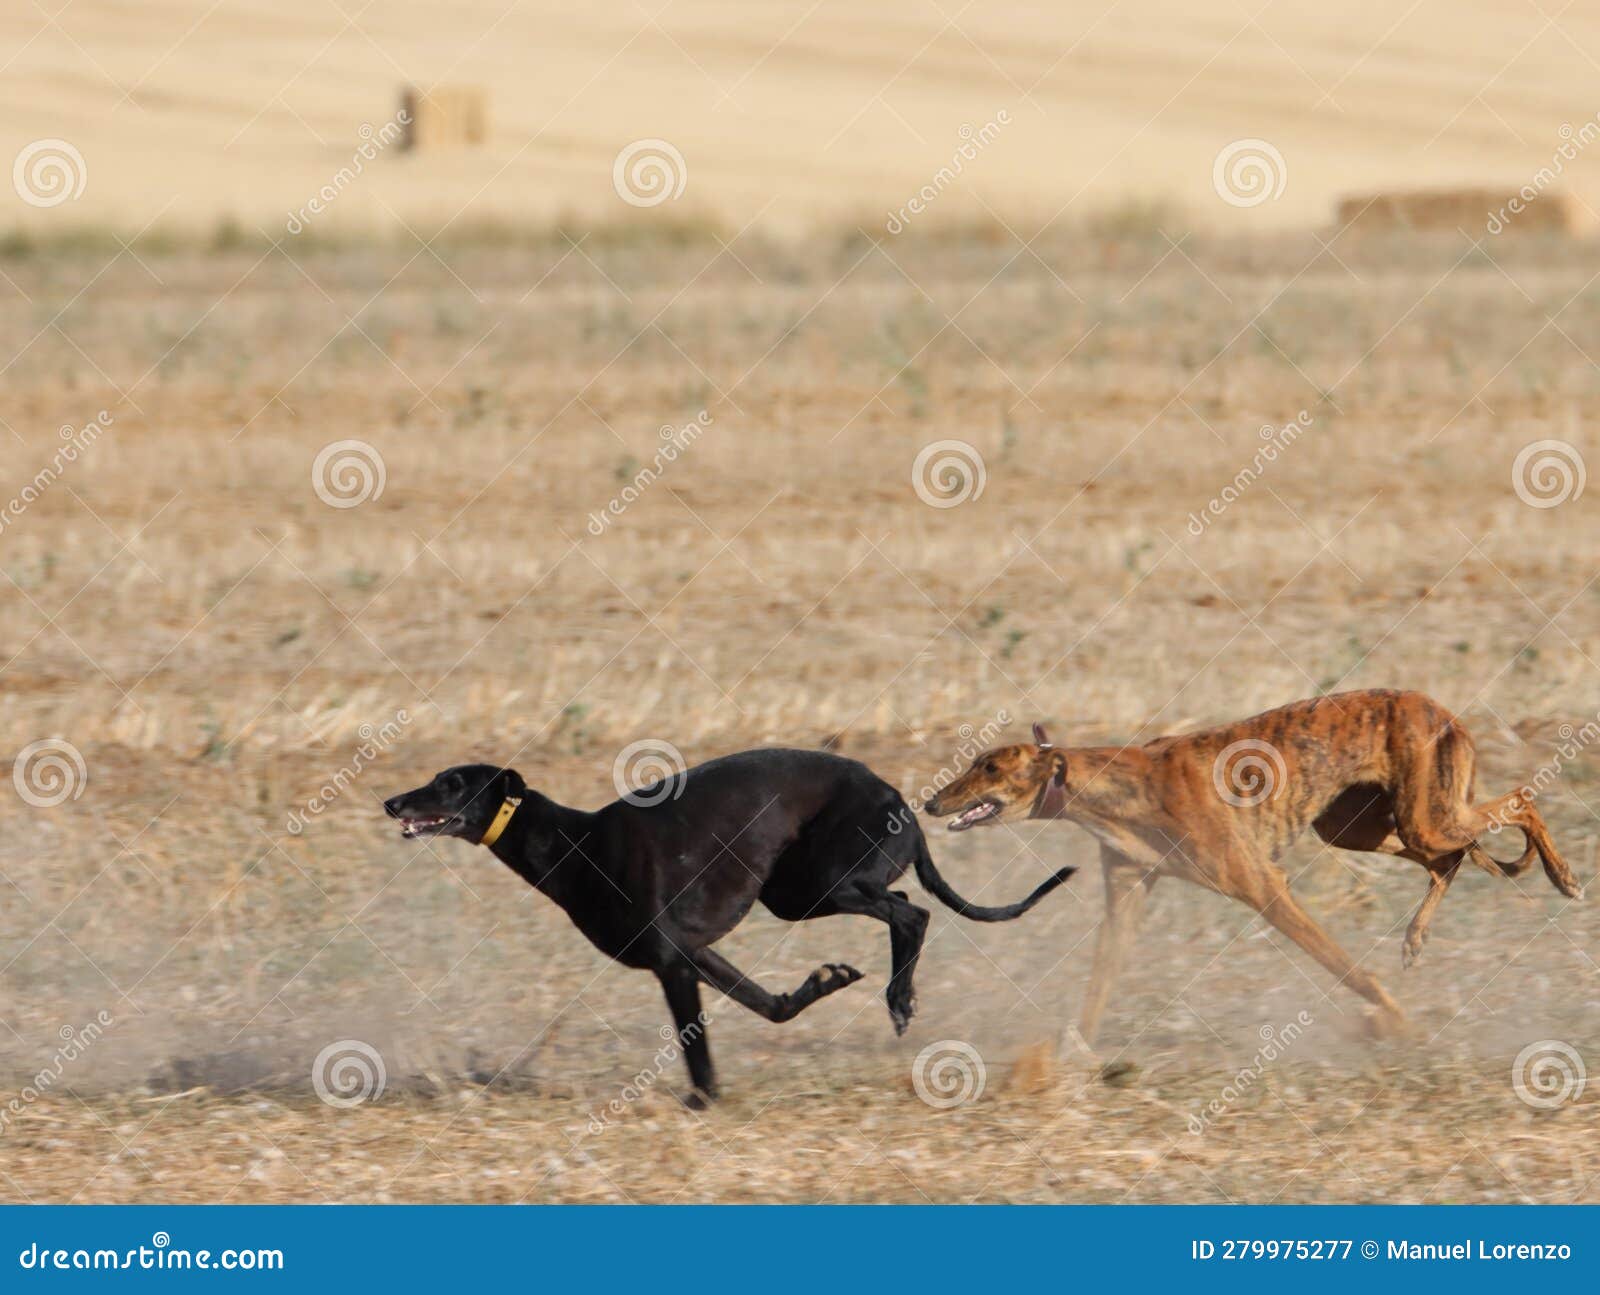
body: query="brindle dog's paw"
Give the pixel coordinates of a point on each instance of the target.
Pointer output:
(1386, 1027)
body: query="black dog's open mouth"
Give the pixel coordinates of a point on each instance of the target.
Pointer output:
(982, 811)
(413, 827)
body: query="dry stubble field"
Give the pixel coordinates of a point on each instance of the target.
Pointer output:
(184, 609)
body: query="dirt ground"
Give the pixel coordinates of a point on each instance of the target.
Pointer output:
(209, 619)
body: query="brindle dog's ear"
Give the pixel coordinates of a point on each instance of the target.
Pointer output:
(515, 788)
(1040, 737)
(1053, 797)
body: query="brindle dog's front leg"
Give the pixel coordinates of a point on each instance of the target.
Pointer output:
(1127, 884)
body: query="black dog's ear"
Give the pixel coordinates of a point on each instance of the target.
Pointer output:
(515, 788)
(1040, 737)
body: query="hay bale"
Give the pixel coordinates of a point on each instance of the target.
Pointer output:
(445, 117)
(1529, 209)
(1493, 210)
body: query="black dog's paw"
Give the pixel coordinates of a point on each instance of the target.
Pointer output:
(835, 975)
(900, 1013)
(699, 1100)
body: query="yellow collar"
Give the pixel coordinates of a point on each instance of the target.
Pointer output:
(501, 818)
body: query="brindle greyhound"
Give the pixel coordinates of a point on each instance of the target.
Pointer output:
(1379, 771)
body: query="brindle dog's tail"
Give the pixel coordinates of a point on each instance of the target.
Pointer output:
(1504, 867)
(936, 886)
(1540, 846)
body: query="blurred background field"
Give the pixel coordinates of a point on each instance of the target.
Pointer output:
(184, 606)
(190, 111)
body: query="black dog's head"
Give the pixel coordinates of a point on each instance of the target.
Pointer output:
(460, 802)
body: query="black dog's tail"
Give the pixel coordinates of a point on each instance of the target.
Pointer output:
(935, 885)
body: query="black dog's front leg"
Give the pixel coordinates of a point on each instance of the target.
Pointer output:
(682, 987)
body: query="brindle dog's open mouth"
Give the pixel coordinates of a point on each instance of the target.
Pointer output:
(981, 812)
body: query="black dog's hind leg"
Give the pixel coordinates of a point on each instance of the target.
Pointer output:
(682, 987)
(907, 925)
(726, 978)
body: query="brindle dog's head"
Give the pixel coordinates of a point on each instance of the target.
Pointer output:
(1008, 782)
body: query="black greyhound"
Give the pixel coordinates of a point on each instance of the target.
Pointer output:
(657, 877)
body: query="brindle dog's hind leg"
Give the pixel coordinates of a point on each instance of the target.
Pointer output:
(1361, 818)
(1434, 813)
(1442, 872)
(1263, 886)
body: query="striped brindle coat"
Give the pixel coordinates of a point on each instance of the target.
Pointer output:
(1375, 771)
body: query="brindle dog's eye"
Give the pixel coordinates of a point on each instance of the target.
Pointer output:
(991, 767)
